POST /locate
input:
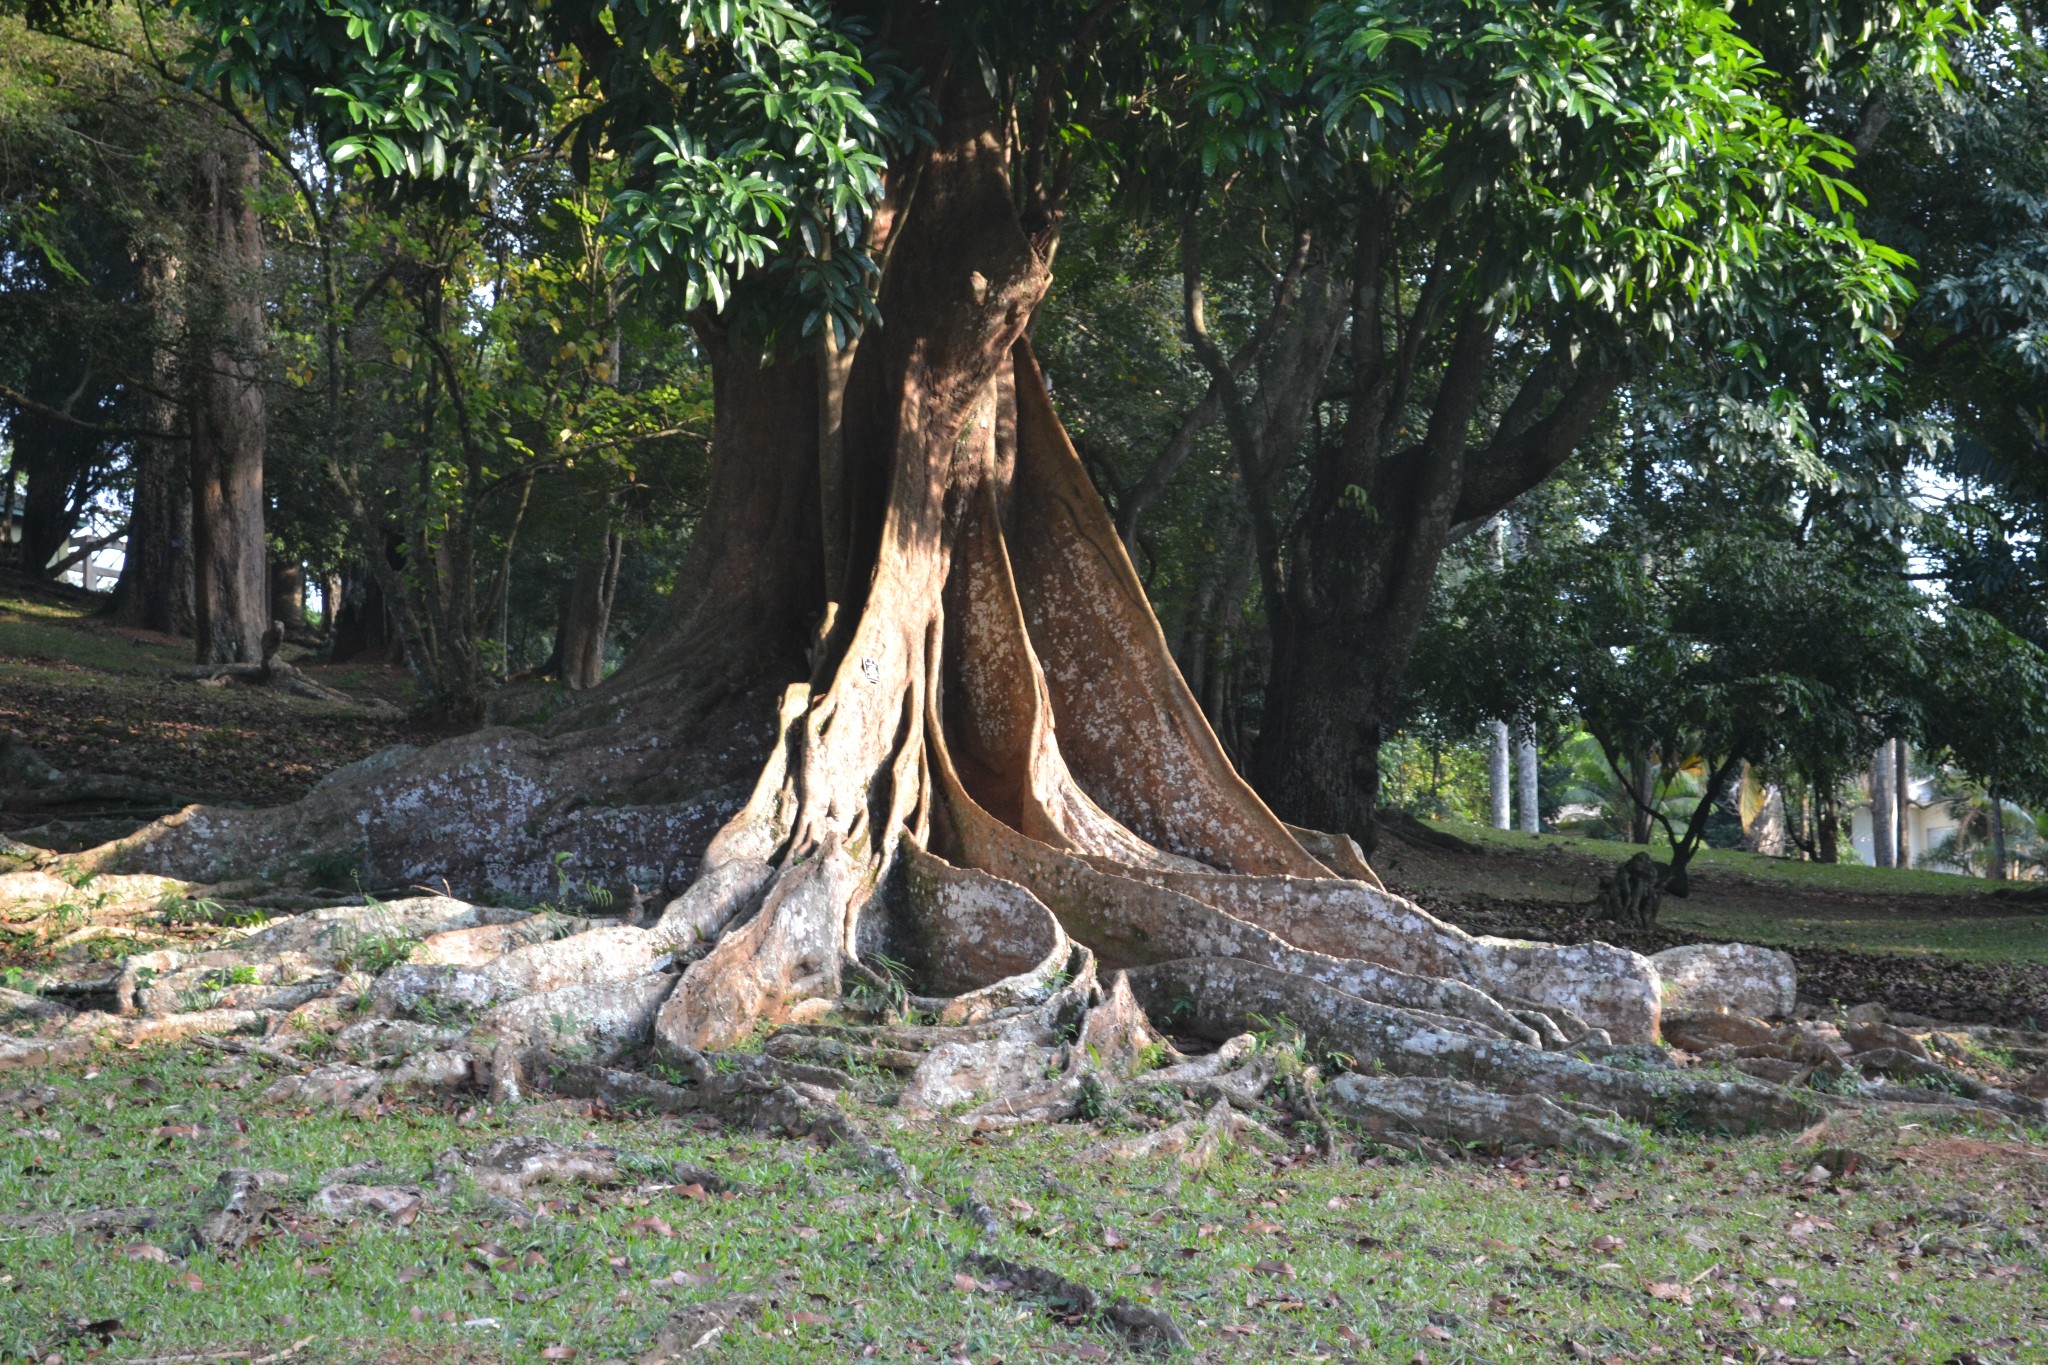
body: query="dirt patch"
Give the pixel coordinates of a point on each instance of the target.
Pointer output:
(226, 744)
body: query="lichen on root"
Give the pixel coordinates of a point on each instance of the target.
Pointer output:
(986, 794)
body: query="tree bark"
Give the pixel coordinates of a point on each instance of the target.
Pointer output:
(1528, 785)
(1500, 775)
(984, 762)
(288, 594)
(359, 624)
(1883, 808)
(586, 617)
(155, 590)
(1827, 823)
(1997, 802)
(1902, 799)
(229, 427)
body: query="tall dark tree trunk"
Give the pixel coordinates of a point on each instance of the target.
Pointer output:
(586, 617)
(155, 591)
(1902, 798)
(1410, 473)
(229, 418)
(1997, 802)
(1827, 822)
(360, 627)
(288, 593)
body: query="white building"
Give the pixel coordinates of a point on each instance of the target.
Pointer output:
(1928, 824)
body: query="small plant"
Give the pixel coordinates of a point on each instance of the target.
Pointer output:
(77, 877)
(17, 979)
(886, 990)
(184, 910)
(374, 953)
(193, 999)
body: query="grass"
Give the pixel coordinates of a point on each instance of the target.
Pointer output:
(36, 634)
(1259, 1259)
(1854, 878)
(1745, 896)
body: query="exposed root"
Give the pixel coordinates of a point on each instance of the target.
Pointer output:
(1218, 998)
(1463, 1113)
(1143, 1327)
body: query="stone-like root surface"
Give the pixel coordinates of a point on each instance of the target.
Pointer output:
(997, 856)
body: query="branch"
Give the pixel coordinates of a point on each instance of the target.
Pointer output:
(1518, 460)
(106, 431)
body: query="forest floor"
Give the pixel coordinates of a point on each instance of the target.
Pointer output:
(96, 698)
(1890, 1234)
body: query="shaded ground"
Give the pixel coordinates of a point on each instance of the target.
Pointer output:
(91, 698)
(1922, 942)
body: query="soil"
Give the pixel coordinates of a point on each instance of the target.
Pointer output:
(95, 698)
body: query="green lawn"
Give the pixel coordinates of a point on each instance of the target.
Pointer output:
(1700, 1252)
(1853, 878)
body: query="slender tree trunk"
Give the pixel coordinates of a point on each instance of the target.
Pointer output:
(229, 427)
(1902, 799)
(1528, 785)
(1642, 781)
(1500, 774)
(1998, 862)
(1883, 808)
(1827, 823)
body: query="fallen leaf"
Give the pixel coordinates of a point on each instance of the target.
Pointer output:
(559, 1353)
(657, 1226)
(1606, 1242)
(965, 1284)
(143, 1251)
(1670, 1291)
(1280, 1269)
(809, 1319)
(1113, 1239)
(1434, 1332)
(1262, 1226)
(189, 1281)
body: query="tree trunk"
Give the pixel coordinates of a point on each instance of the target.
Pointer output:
(1642, 780)
(1883, 809)
(586, 617)
(155, 591)
(56, 463)
(288, 594)
(1501, 775)
(229, 555)
(1902, 800)
(1827, 824)
(359, 624)
(1528, 785)
(1998, 863)
(985, 764)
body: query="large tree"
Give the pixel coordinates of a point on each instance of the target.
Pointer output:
(983, 745)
